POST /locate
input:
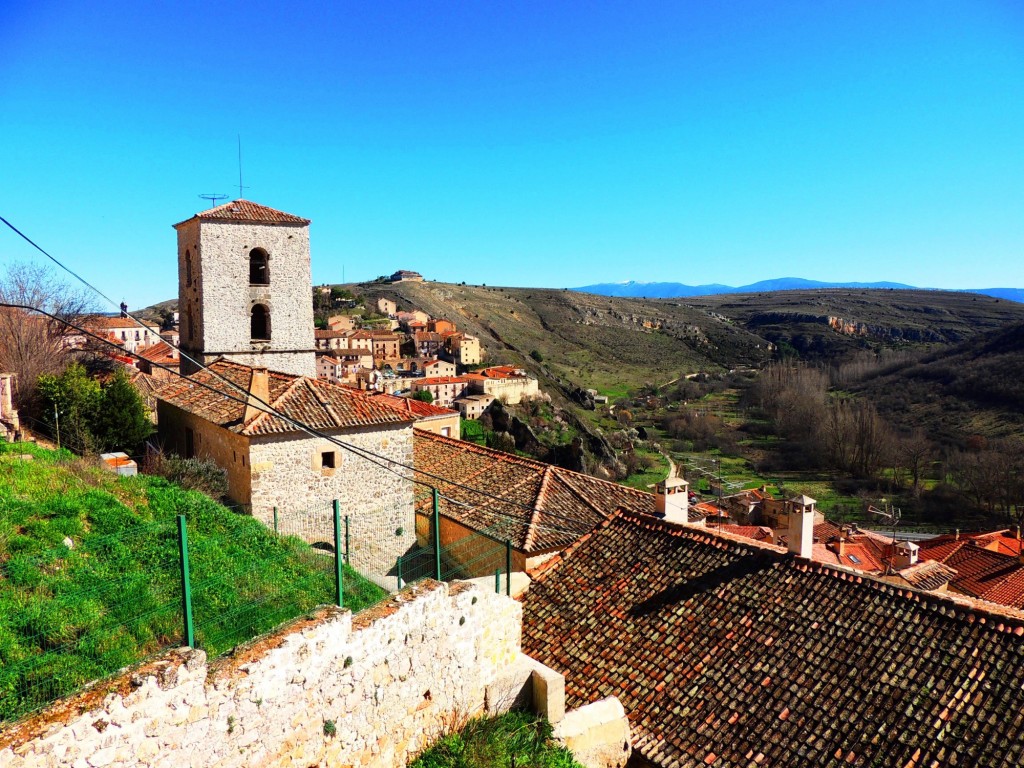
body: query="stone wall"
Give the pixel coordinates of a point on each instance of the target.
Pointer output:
(215, 306)
(338, 690)
(287, 474)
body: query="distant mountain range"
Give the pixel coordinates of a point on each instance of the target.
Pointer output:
(677, 290)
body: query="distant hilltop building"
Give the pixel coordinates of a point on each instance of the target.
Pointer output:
(406, 276)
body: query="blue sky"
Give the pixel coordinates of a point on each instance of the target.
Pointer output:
(526, 143)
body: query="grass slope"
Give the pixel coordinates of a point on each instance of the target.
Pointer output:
(90, 575)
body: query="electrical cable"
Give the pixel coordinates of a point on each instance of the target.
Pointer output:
(249, 397)
(312, 431)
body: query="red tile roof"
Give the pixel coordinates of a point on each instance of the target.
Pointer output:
(539, 507)
(161, 353)
(442, 380)
(987, 564)
(415, 408)
(736, 654)
(103, 322)
(755, 532)
(313, 402)
(247, 211)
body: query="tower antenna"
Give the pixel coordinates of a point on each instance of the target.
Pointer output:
(240, 186)
(213, 197)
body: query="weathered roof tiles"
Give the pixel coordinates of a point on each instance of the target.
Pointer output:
(731, 653)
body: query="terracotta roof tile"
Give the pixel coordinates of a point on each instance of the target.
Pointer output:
(313, 402)
(539, 507)
(415, 408)
(735, 649)
(247, 211)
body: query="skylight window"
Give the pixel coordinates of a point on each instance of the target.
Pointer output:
(854, 559)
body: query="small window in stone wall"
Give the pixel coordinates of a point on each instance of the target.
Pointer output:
(327, 459)
(259, 272)
(260, 323)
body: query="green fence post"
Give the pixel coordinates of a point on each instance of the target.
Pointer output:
(508, 567)
(275, 520)
(437, 537)
(348, 556)
(186, 585)
(497, 581)
(338, 586)
(398, 570)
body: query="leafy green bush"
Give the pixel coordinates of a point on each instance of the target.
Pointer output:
(519, 739)
(201, 475)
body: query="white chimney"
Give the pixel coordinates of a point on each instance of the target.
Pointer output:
(801, 526)
(672, 500)
(906, 554)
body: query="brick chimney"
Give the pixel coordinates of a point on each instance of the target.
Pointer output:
(259, 387)
(801, 526)
(672, 499)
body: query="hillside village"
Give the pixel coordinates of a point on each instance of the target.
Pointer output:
(742, 629)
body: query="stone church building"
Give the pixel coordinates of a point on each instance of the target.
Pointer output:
(245, 298)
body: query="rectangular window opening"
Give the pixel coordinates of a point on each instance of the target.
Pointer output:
(327, 459)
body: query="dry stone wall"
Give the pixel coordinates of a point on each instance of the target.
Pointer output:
(336, 690)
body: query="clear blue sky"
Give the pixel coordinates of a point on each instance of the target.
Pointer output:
(526, 143)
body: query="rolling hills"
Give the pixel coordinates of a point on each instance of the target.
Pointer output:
(664, 290)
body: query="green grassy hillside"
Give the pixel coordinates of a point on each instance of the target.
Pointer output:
(90, 575)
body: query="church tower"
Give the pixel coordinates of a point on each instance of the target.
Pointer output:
(245, 291)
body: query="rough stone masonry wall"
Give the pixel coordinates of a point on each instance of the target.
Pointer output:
(378, 502)
(221, 298)
(337, 690)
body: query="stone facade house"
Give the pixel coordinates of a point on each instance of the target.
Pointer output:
(444, 389)
(438, 368)
(510, 385)
(271, 464)
(385, 346)
(427, 344)
(463, 349)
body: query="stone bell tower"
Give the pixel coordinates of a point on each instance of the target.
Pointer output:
(245, 288)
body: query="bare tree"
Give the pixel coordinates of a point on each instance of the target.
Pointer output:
(914, 452)
(32, 344)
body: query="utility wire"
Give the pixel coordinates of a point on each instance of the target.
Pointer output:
(249, 397)
(264, 407)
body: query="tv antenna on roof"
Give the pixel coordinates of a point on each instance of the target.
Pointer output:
(214, 198)
(240, 186)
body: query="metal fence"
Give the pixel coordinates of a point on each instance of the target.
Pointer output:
(78, 612)
(459, 553)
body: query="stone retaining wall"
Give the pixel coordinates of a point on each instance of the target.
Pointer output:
(369, 690)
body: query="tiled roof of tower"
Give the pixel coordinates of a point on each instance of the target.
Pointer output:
(539, 507)
(246, 211)
(730, 653)
(318, 404)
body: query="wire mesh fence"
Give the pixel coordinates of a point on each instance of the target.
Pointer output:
(447, 549)
(73, 612)
(70, 615)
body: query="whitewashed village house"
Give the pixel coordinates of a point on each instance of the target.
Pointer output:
(244, 288)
